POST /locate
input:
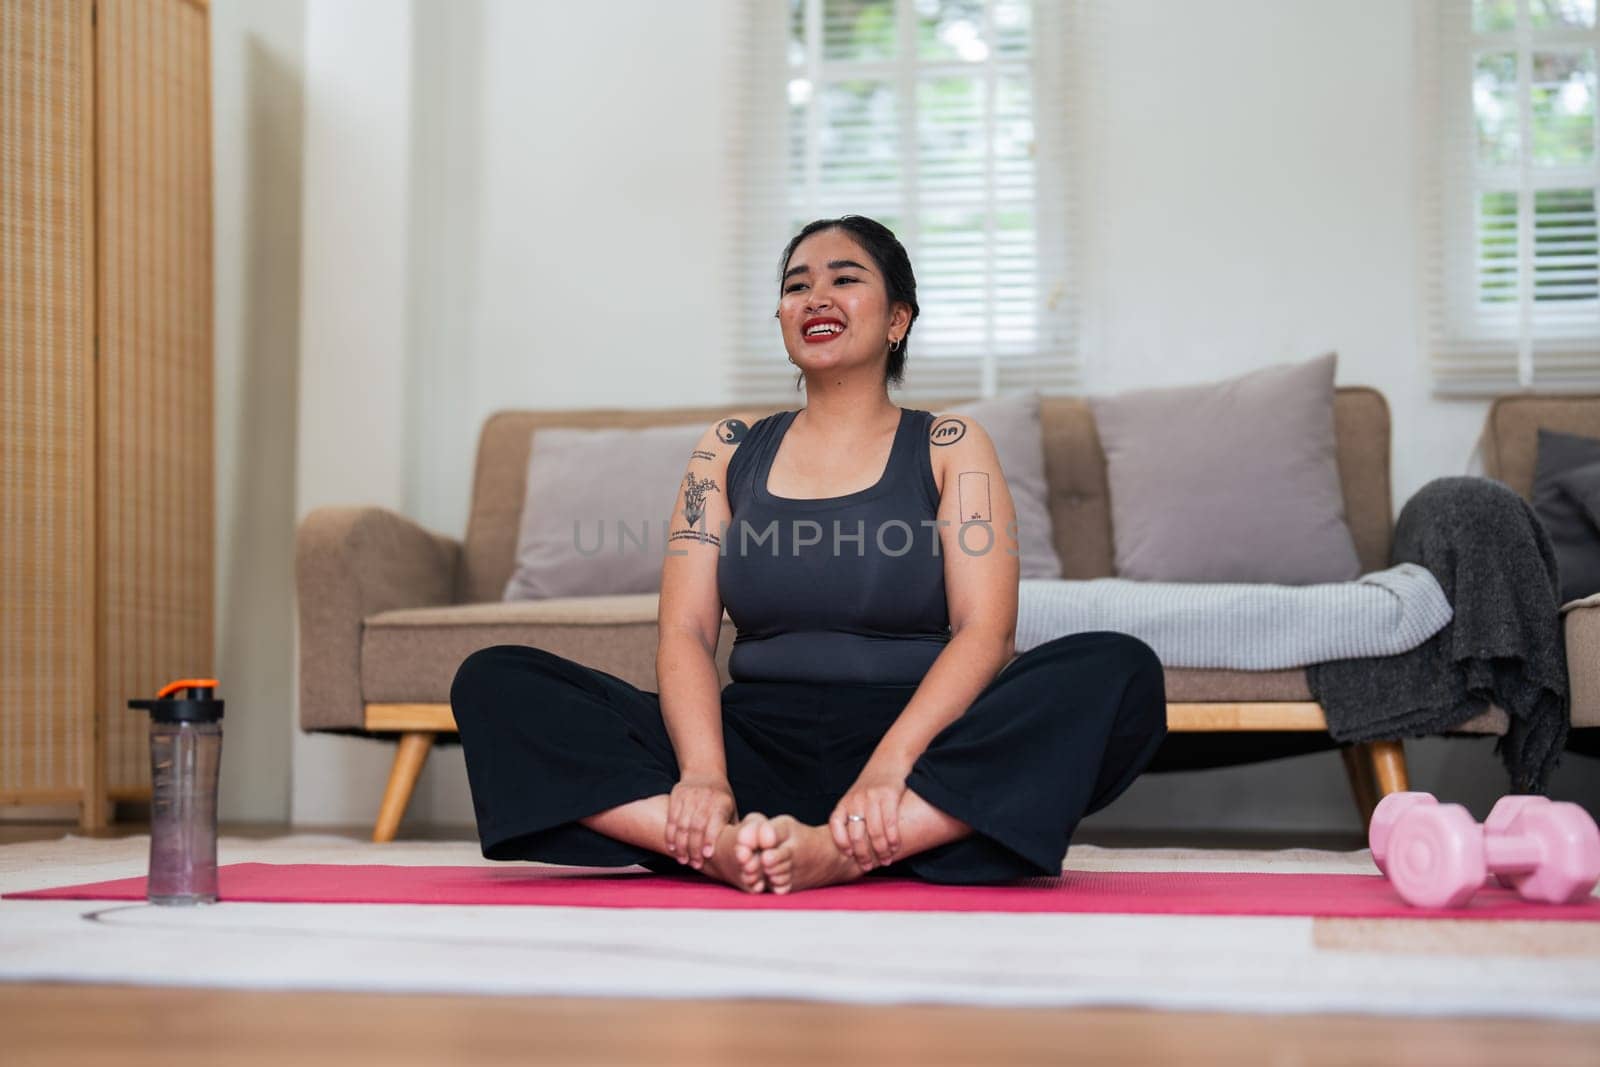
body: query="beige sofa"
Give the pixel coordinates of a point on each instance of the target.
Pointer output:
(389, 610)
(1510, 448)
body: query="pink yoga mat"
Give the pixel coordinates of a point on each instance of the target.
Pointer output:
(1167, 893)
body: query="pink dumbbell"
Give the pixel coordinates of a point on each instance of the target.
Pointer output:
(1501, 816)
(1436, 856)
(1394, 805)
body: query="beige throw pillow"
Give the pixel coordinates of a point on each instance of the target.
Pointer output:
(595, 513)
(1013, 425)
(1232, 482)
(594, 495)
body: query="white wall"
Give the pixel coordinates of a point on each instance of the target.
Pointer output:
(256, 153)
(355, 320)
(581, 242)
(511, 204)
(1257, 203)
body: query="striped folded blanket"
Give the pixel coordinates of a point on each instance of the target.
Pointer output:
(1243, 626)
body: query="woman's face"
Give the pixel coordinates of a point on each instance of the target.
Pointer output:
(835, 307)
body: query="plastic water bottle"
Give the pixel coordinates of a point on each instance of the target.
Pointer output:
(185, 750)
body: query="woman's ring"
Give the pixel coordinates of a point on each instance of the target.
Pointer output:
(856, 818)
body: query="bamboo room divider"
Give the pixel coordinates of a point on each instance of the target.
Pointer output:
(105, 299)
(47, 751)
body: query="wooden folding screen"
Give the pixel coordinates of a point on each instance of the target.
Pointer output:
(47, 633)
(105, 297)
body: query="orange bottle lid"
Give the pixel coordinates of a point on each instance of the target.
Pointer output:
(184, 683)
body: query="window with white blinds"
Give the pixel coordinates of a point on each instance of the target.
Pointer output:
(1514, 289)
(946, 120)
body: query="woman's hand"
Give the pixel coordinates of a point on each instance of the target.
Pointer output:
(697, 810)
(874, 839)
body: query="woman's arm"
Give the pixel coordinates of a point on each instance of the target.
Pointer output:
(689, 621)
(978, 543)
(979, 548)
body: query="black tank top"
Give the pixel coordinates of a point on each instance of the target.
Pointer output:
(845, 589)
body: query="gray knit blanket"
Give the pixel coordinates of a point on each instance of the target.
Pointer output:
(1248, 627)
(1494, 561)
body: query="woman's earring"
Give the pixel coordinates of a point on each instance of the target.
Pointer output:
(894, 344)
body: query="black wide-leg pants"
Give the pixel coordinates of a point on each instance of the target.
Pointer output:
(1059, 733)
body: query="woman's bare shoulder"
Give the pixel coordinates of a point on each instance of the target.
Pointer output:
(731, 430)
(955, 438)
(722, 438)
(951, 433)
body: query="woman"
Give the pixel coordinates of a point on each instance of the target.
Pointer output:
(867, 555)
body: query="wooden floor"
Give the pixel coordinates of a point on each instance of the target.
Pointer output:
(132, 1026)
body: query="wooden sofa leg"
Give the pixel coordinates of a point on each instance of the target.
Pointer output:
(1363, 782)
(1389, 764)
(408, 760)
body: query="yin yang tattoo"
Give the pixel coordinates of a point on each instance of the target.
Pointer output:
(731, 431)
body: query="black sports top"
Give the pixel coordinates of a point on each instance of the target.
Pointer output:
(844, 589)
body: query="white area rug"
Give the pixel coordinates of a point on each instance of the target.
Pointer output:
(1181, 962)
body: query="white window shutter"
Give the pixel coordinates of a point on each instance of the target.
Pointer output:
(938, 119)
(758, 154)
(1509, 173)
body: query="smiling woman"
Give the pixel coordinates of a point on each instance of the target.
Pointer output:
(877, 720)
(853, 251)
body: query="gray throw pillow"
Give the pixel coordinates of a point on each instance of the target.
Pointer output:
(1236, 481)
(595, 514)
(1566, 497)
(1013, 424)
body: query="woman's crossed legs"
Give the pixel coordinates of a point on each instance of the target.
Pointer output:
(586, 778)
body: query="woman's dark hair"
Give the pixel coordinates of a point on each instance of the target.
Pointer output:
(889, 255)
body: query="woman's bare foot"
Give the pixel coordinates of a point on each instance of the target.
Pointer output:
(796, 856)
(733, 862)
(747, 842)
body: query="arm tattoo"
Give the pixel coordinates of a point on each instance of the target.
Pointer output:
(696, 535)
(947, 431)
(972, 495)
(694, 497)
(731, 431)
(701, 453)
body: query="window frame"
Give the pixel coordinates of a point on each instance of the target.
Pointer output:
(1051, 362)
(1476, 349)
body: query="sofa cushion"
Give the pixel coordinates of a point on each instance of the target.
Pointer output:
(596, 509)
(1566, 497)
(1582, 625)
(1080, 499)
(411, 655)
(1012, 422)
(1492, 721)
(1236, 481)
(586, 476)
(500, 483)
(1188, 685)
